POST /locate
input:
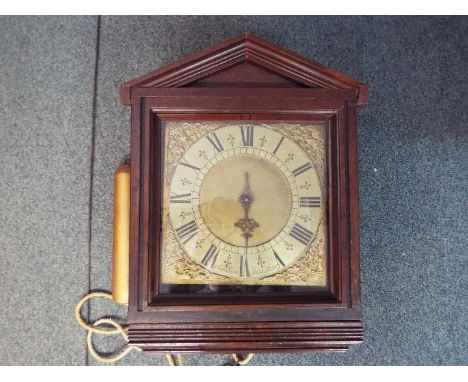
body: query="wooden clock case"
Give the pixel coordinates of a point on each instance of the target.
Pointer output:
(244, 78)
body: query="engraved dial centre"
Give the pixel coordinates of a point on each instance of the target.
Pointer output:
(269, 195)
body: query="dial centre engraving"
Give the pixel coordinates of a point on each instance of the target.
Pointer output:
(224, 198)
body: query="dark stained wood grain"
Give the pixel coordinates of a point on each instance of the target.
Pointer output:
(244, 78)
(239, 50)
(247, 338)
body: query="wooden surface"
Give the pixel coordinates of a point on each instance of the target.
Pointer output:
(220, 61)
(245, 78)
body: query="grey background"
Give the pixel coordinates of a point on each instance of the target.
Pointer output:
(64, 132)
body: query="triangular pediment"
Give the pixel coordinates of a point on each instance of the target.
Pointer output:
(245, 61)
(246, 74)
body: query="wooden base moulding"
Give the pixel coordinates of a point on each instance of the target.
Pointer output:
(265, 337)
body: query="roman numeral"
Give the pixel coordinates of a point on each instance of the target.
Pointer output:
(278, 145)
(301, 234)
(244, 267)
(247, 135)
(187, 231)
(309, 201)
(190, 166)
(301, 169)
(215, 142)
(278, 259)
(182, 198)
(210, 256)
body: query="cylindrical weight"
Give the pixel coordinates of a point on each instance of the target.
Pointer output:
(121, 235)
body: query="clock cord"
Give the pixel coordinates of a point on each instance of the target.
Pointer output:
(110, 326)
(100, 327)
(239, 361)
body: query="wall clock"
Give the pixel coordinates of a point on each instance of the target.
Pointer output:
(244, 232)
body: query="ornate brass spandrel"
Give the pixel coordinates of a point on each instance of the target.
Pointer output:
(309, 269)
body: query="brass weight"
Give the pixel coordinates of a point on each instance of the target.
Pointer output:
(121, 235)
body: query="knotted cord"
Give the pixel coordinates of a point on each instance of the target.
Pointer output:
(101, 326)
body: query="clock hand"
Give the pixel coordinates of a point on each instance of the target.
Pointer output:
(247, 197)
(246, 224)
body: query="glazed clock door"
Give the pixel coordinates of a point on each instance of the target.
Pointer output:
(244, 204)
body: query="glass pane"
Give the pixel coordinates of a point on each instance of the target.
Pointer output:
(244, 207)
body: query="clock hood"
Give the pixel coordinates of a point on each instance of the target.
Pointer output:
(246, 61)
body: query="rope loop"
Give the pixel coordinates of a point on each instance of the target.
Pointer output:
(115, 356)
(109, 326)
(92, 327)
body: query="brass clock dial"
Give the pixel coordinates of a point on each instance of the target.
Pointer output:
(244, 202)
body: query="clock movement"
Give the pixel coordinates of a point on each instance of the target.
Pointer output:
(244, 219)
